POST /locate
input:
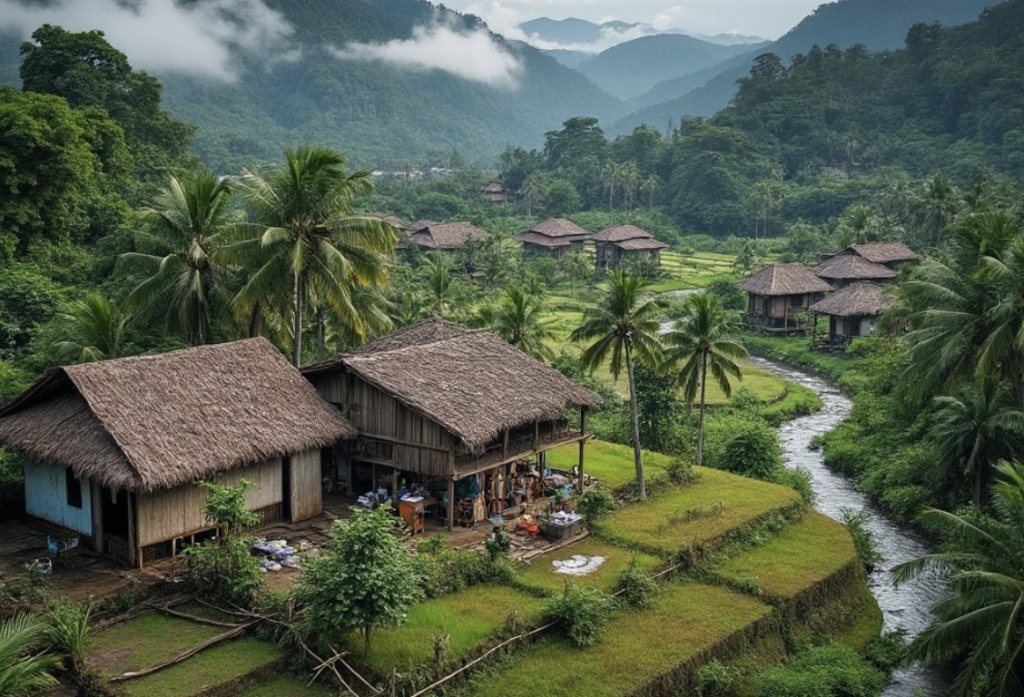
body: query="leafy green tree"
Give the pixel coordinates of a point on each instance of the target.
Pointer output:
(307, 235)
(979, 624)
(625, 322)
(518, 320)
(703, 339)
(190, 223)
(27, 301)
(365, 579)
(23, 669)
(99, 330)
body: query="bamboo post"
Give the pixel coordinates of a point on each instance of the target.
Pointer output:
(451, 503)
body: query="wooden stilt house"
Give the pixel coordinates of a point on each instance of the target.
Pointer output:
(553, 237)
(843, 269)
(114, 449)
(853, 311)
(443, 404)
(779, 296)
(622, 241)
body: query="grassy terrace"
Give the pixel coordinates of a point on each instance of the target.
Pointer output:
(686, 620)
(541, 573)
(714, 505)
(470, 617)
(145, 641)
(609, 462)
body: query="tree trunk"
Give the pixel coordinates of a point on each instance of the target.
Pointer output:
(196, 329)
(321, 333)
(297, 322)
(700, 421)
(256, 321)
(638, 455)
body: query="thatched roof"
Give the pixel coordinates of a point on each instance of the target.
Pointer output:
(493, 188)
(641, 243)
(560, 228)
(619, 233)
(852, 266)
(543, 240)
(784, 279)
(399, 223)
(446, 235)
(471, 382)
(856, 299)
(882, 252)
(154, 422)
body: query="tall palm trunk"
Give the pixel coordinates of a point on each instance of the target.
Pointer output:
(321, 333)
(256, 321)
(700, 421)
(297, 322)
(638, 456)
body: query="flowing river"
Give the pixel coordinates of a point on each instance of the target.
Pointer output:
(906, 607)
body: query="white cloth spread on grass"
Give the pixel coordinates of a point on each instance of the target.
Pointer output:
(579, 565)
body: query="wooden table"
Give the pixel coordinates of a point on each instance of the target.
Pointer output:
(412, 513)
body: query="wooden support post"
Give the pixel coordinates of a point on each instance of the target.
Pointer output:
(583, 441)
(451, 503)
(504, 447)
(374, 478)
(536, 434)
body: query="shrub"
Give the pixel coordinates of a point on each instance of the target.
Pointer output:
(635, 588)
(499, 544)
(595, 504)
(129, 596)
(453, 571)
(22, 591)
(797, 479)
(748, 447)
(716, 680)
(226, 571)
(829, 670)
(67, 633)
(863, 538)
(579, 612)
(680, 472)
(889, 651)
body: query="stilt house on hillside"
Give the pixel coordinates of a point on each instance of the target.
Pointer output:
(779, 295)
(429, 235)
(114, 449)
(449, 409)
(553, 237)
(616, 243)
(844, 269)
(889, 254)
(853, 311)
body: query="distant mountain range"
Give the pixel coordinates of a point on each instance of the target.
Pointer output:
(576, 32)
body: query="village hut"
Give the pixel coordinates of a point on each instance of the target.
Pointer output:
(443, 407)
(889, 254)
(844, 269)
(778, 295)
(494, 192)
(114, 449)
(853, 311)
(429, 235)
(616, 243)
(553, 237)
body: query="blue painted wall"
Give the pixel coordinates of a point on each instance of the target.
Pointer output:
(46, 497)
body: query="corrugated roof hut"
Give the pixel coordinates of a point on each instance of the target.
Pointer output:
(114, 448)
(615, 243)
(778, 295)
(854, 311)
(445, 235)
(844, 269)
(553, 237)
(443, 402)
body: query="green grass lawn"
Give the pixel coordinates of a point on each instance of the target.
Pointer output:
(685, 620)
(209, 668)
(292, 686)
(145, 641)
(661, 526)
(609, 462)
(470, 617)
(800, 556)
(541, 573)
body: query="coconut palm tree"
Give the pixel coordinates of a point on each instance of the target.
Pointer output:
(189, 223)
(23, 670)
(437, 273)
(305, 235)
(979, 624)
(99, 330)
(517, 320)
(625, 323)
(702, 340)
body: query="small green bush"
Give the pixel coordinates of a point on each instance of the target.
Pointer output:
(797, 479)
(829, 670)
(595, 504)
(499, 544)
(129, 596)
(454, 571)
(681, 473)
(744, 445)
(67, 633)
(863, 539)
(716, 680)
(226, 572)
(635, 588)
(889, 651)
(579, 612)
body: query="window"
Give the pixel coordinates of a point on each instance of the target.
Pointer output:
(74, 489)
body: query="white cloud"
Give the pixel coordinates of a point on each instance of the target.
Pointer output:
(161, 36)
(473, 56)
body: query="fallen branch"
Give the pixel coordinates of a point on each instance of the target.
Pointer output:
(193, 618)
(188, 654)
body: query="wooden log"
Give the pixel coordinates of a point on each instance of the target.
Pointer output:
(194, 618)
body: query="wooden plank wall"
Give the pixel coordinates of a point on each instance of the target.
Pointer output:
(306, 486)
(168, 513)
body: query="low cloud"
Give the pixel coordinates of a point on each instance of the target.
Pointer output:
(609, 37)
(160, 36)
(473, 56)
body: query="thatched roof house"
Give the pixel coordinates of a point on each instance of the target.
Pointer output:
(854, 310)
(890, 254)
(114, 448)
(445, 402)
(844, 269)
(445, 235)
(614, 243)
(779, 294)
(552, 237)
(494, 192)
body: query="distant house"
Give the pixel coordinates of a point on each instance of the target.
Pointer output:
(853, 311)
(494, 192)
(448, 408)
(399, 224)
(844, 269)
(429, 235)
(889, 254)
(114, 449)
(778, 295)
(615, 243)
(553, 237)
